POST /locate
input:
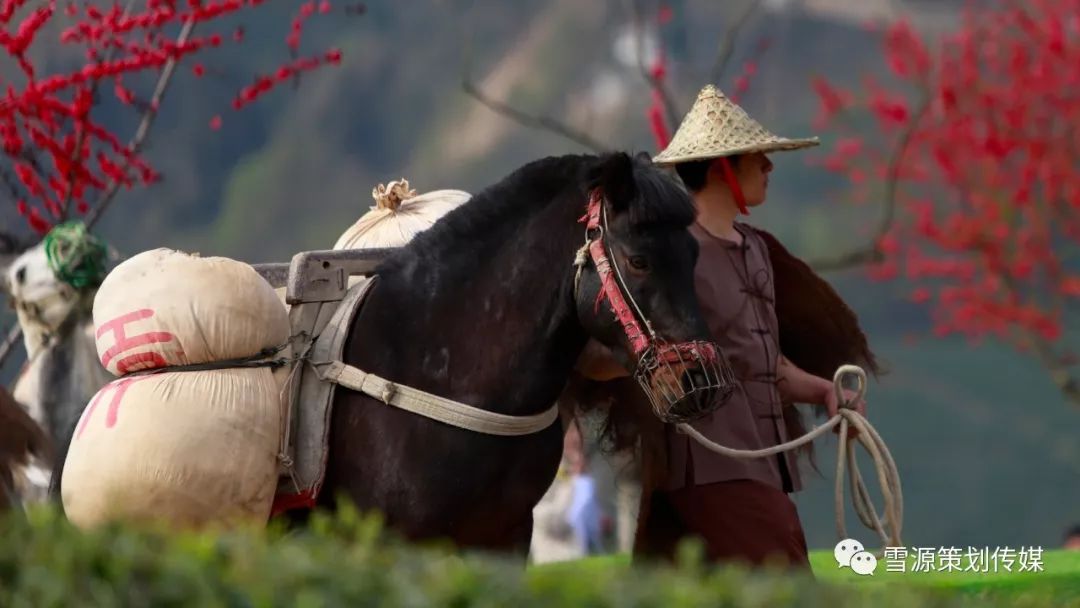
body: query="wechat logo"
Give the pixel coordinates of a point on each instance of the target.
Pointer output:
(850, 553)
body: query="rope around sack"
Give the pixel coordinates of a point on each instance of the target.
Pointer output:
(888, 476)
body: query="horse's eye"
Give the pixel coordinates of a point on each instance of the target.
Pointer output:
(638, 262)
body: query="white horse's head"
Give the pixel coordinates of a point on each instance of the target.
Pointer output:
(41, 299)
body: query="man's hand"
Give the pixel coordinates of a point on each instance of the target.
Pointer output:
(832, 404)
(798, 386)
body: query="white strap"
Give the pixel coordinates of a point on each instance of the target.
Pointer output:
(435, 407)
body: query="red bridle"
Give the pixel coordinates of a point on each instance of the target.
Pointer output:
(653, 354)
(609, 288)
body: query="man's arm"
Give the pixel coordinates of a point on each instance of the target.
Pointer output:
(798, 386)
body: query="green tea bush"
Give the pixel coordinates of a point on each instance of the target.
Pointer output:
(348, 560)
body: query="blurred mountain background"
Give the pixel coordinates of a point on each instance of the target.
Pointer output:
(986, 446)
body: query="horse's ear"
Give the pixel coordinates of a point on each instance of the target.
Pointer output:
(11, 244)
(8, 244)
(615, 177)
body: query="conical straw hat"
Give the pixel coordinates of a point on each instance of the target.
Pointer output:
(717, 127)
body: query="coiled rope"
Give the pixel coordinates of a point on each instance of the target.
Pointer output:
(75, 256)
(888, 525)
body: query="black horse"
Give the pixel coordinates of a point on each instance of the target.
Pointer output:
(488, 308)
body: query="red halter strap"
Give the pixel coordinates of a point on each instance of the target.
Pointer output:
(609, 287)
(661, 367)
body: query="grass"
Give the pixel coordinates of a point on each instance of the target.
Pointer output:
(1059, 578)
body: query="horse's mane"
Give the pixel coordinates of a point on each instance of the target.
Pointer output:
(652, 197)
(818, 332)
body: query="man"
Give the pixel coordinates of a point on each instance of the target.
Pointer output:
(567, 522)
(761, 303)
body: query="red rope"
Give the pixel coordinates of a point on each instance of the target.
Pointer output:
(733, 183)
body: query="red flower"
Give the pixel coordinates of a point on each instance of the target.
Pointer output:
(664, 15)
(44, 115)
(832, 100)
(920, 295)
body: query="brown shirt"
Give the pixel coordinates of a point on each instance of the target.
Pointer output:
(734, 285)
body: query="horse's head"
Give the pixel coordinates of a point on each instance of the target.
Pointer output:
(635, 288)
(38, 295)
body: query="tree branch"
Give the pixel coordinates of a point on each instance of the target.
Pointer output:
(543, 123)
(1057, 368)
(872, 253)
(655, 83)
(7, 346)
(144, 126)
(80, 136)
(727, 42)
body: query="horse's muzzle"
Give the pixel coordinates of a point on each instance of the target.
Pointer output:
(685, 381)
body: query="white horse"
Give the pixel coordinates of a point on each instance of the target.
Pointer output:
(62, 370)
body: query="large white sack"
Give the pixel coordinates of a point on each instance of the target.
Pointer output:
(399, 215)
(165, 307)
(188, 448)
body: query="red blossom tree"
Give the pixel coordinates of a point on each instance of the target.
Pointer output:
(974, 145)
(60, 159)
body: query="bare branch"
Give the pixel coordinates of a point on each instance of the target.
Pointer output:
(727, 42)
(1057, 367)
(872, 253)
(80, 135)
(532, 121)
(525, 119)
(144, 126)
(7, 346)
(670, 110)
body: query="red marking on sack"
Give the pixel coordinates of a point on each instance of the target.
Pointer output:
(134, 362)
(125, 343)
(119, 389)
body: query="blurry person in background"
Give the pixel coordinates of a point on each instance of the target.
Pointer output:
(568, 521)
(584, 513)
(1072, 538)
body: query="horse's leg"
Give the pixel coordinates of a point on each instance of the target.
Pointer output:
(60, 457)
(521, 540)
(56, 479)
